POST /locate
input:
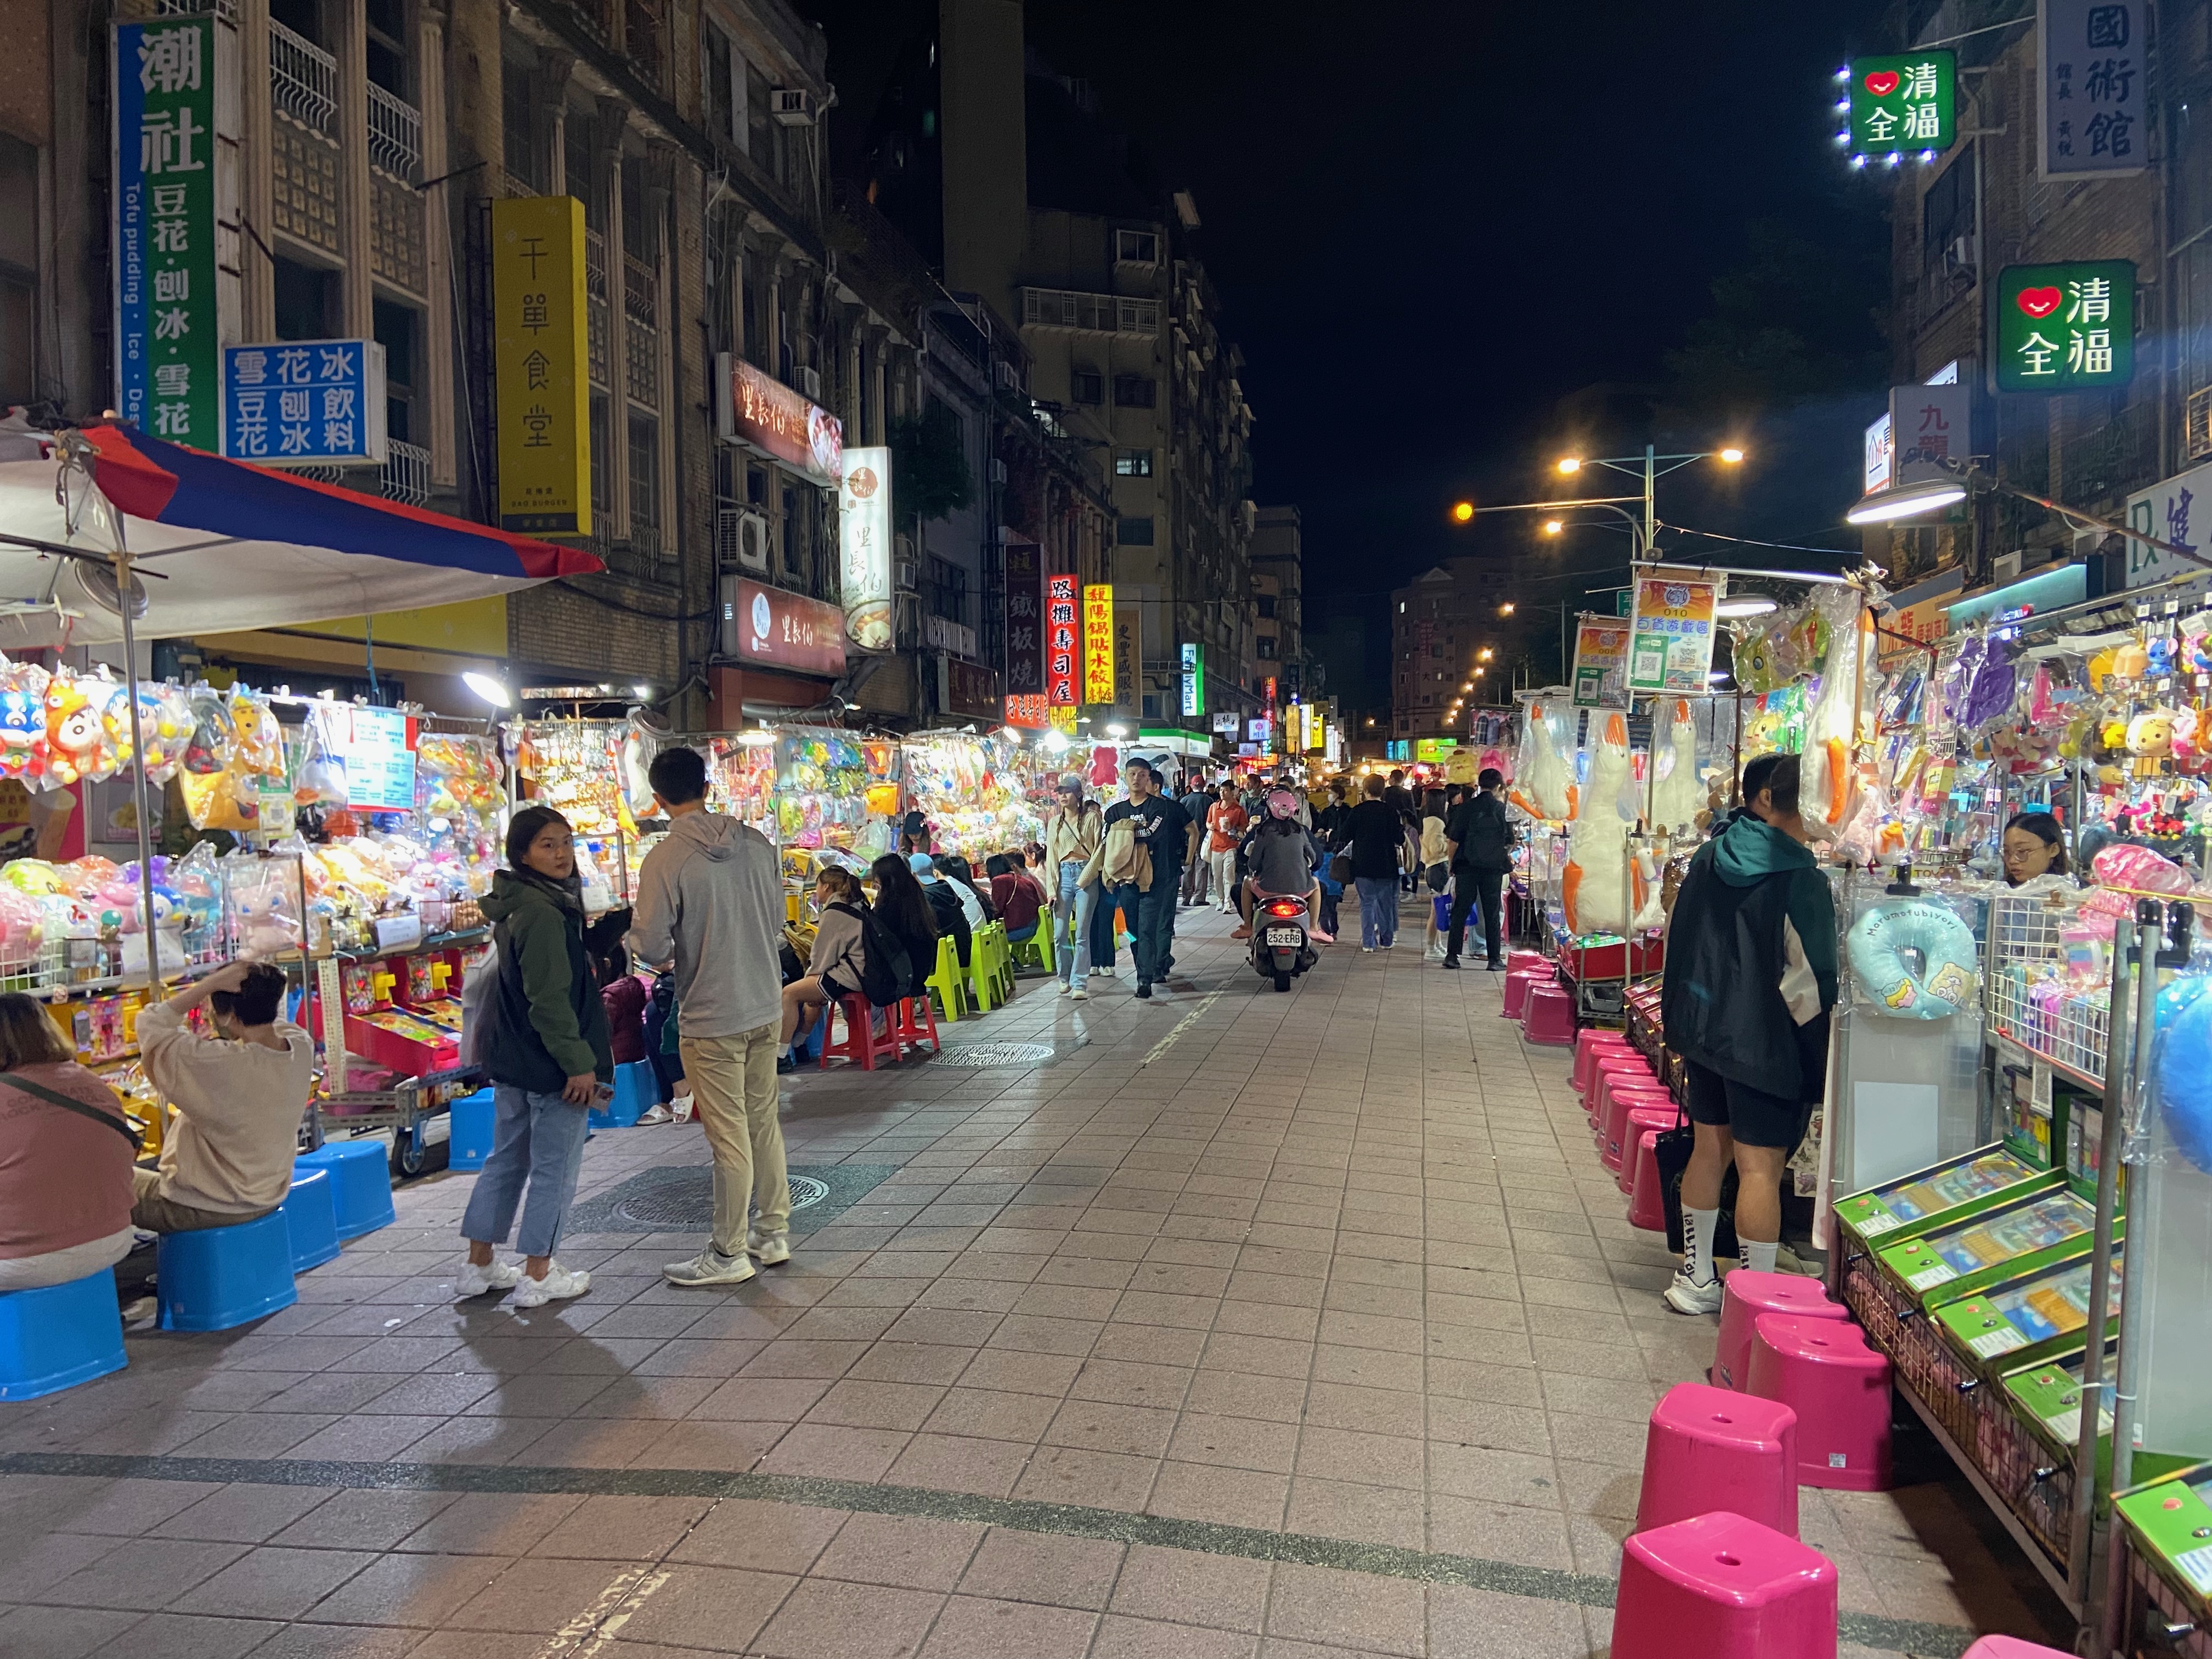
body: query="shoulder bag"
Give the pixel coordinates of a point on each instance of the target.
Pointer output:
(40, 1092)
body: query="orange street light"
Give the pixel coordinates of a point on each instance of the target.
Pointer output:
(1484, 654)
(1480, 672)
(1570, 463)
(1463, 511)
(1732, 455)
(1506, 609)
(1553, 526)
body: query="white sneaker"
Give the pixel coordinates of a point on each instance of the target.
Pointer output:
(1080, 994)
(1063, 988)
(769, 1248)
(473, 1281)
(558, 1286)
(709, 1267)
(1686, 1295)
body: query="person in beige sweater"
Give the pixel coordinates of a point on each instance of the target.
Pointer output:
(227, 1155)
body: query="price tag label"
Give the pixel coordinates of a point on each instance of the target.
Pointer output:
(1941, 1274)
(1990, 1344)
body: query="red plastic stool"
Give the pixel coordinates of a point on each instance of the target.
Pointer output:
(1642, 1120)
(1647, 1205)
(1745, 1295)
(861, 1043)
(1590, 1046)
(1517, 990)
(1722, 1587)
(1527, 962)
(2011, 1647)
(1614, 1070)
(1709, 1446)
(1549, 1017)
(914, 1021)
(1822, 1370)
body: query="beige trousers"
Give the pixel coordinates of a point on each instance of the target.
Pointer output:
(733, 1081)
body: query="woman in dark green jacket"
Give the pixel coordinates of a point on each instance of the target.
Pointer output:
(548, 1055)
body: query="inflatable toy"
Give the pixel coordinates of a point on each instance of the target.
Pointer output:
(1591, 892)
(1883, 945)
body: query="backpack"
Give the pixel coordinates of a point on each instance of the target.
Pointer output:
(885, 970)
(480, 1004)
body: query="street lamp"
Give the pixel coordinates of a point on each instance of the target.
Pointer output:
(1506, 609)
(1463, 511)
(1483, 655)
(1553, 526)
(1931, 483)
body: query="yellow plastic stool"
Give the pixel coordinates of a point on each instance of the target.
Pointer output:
(950, 989)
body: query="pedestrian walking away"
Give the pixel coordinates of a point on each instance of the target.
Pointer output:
(1749, 984)
(1145, 889)
(1198, 871)
(1376, 832)
(549, 1056)
(710, 899)
(1479, 844)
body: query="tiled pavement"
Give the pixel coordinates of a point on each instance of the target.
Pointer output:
(1298, 1326)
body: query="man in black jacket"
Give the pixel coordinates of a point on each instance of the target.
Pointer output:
(1750, 980)
(1481, 842)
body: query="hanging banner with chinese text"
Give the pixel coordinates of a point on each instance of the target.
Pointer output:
(755, 409)
(1903, 103)
(168, 329)
(304, 402)
(1601, 664)
(864, 536)
(2177, 511)
(2096, 94)
(1060, 648)
(1670, 645)
(1026, 711)
(1930, 422)
(1024, 622)
(2065, 327)
(1098, 644)
(540, 369)
(1129, 659)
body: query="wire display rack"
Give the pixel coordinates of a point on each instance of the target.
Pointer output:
(2032, 1002)
(2153, 1617)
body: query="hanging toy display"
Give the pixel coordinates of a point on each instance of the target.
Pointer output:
(1679, 793)
(72, 731)
(1543, 787)
(23, 747)
(1832, 724)
(1592, 893)
(1913, 958)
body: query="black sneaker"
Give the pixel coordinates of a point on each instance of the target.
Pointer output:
(1452, 962)
(1145, 990)
(785, 1064)
(1495, 966)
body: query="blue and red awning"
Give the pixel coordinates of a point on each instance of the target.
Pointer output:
(224, 545)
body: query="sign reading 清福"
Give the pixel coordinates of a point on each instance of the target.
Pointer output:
(755, 408)
(775, 625)
(167, 327)
(2096, 90)
(540, 366)
(1060, 650)
(300, 402)
(2065, 327)
(864, 537)
(1098, 644)
(1670, 645)
(1601, 664)
(1908, 102)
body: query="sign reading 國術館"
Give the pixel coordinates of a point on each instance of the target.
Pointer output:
(540, 371)
(168, 184)
(1906, 103)
(304, 402)
(2096, 86)
(2065, 327)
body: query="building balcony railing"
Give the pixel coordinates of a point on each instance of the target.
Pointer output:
(640, 293)
(406, 472)
(1098, 313)
(303, 80)
(395, 134)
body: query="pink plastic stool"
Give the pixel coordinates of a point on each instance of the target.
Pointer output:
(1745, 1296)
(1708, 1446)
(1527, 962)
(2011, 1647)
(1614, 1118)
(1590, 1046)
(1619, 1077)
(1647, 1206)
(1721, 1587)
(1549, 1019)
(1516, 991)
(1642, 1120)
(1822, 1370)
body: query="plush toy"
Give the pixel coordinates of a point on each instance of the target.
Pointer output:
(1543, 787)
(2150, 740)
(1679, 793)
(72, 731)
(1592, 890)
(1832, 726)
(2189, 736)
(2131, 662)
(22, 735)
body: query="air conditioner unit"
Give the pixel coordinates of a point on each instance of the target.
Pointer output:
(1004, 377)
(907, 576)
(792, 106)
(810, 381)
(2197, 423)
(741, 538)
(998, 471)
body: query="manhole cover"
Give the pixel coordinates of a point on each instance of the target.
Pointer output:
(675, 1196)
(981, 1055)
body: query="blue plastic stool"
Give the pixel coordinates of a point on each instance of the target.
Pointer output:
(59, 1335)
(470, 1121)
(1440, 910)
(217, 1276)
(636, 1088)
(311, 1218)
(360, 1171)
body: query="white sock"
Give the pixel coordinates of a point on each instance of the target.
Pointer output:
(1759, 1257)
(1699, 1228)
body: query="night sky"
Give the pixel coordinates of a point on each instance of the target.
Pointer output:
(1429, 222)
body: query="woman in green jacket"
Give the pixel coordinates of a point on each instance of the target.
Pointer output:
(548, 1055)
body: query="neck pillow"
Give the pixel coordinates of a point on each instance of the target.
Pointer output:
(1883, 943)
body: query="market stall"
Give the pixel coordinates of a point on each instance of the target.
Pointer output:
(979, 793)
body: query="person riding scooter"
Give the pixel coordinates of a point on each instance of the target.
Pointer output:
(1282, 858)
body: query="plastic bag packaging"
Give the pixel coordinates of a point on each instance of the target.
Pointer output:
(73, 732)
(320, 779)
(23, 722)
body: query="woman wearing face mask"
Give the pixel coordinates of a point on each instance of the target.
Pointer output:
(2034, 845)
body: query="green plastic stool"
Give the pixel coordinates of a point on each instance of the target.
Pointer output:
(982, 967)
(951, 990)
(1037, 947)
(1002, 961)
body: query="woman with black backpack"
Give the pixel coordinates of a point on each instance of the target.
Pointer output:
(837, 968)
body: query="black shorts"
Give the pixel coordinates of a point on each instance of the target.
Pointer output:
(1751, 1115)
(1439, 877)
(834, 991)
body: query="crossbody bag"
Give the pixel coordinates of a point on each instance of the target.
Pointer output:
(40, 1092)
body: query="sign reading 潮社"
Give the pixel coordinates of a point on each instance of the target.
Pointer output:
(1907, 102)
(2096, 86)
(755, 407)
(167, 324)
(2066, 327)
(773, 625)
(540, 369)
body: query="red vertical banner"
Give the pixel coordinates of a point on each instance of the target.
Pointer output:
(1060, 650)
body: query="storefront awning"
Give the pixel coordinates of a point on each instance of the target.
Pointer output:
(224, 545)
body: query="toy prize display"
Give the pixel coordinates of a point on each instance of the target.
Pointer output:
(974, 791)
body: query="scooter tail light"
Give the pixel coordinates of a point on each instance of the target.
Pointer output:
(1284, 910)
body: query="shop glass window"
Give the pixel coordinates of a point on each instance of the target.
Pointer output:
(644, 483)
(519, 120)
(387, 57)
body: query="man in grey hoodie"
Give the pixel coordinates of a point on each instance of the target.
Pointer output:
(710, 897)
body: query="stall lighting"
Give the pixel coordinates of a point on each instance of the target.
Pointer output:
(1053, 741)
(1118, 731)
(1907, 501)
(1463, 511)
(1751, 606)
(761, 739)
(556, 693)
(642, 693)
(493, 691)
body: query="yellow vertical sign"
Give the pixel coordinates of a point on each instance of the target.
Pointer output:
(1099, 642)
(541, 366)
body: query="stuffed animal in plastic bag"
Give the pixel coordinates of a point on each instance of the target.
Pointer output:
(1832, 724)
(320, 780)
(73, 734)
(1593, 892)
(1543, 787)
(23, 723)
(1679, 792)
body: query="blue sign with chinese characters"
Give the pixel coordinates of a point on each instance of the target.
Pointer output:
(304, 402)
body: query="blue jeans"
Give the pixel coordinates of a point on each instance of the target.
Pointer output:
(1150, 915)
(1068, 961)
(537, 1139)
(1378, 911)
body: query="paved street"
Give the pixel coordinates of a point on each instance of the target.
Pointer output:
(1301, 1325)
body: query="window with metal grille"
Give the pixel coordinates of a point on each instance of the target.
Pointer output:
(948, 589)
(1087, 385)
(644, 484)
